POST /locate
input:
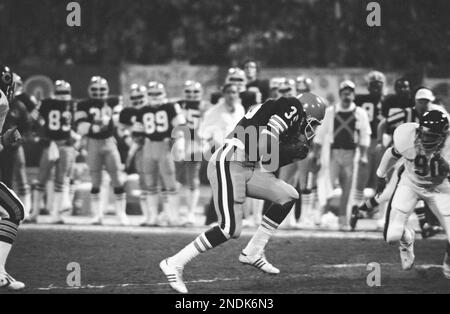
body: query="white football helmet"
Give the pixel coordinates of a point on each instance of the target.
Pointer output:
(287, 88)
(303, 84)
(63, 90)
(138, 95)
(237, 77)
(156, 93)
(98, 88)
(193, 91)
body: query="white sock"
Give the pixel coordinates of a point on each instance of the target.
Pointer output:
(151, 208)
(307, 201)
(358, 197)
(96, 209)
(192, 250)
(5, 248)
(193, 201)
(120, 205)
(258, 242)
(172, 206)
(57, 204)
(37, 199)
(407, 236)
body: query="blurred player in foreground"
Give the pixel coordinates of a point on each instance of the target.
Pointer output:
(426, 150)
(283, 130)
(11, 208)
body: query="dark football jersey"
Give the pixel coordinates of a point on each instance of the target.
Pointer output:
(29, 101)
(128, 115)
(58, 117)
(373, 106)
(192, 111)
(274, 117)
(262, 85)
(99, 113)
(17, 116)
(157, 120)
(249, 99)
(397, 110)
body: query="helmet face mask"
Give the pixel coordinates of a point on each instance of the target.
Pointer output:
(287, 88)
(7, 84)
(237, 77)
(98, 88)
(314, 108)
(138, 95)
(303, 84)
(433, 130)
(63, 91)
(193, 91)
(156, 93)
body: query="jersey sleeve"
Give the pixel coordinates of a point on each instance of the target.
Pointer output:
(284, 116)
(82, 113)
(404, 137)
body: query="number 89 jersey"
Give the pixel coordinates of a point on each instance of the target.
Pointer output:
(158, 121)
(57, 116)
(421, 167)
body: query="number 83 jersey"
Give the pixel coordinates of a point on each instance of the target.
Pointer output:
(57, 118)
(421, 167)
(159, 121)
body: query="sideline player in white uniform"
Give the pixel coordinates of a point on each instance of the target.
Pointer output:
(425, 148)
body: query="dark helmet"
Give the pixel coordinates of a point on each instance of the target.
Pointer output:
(433, 130)
(7, 82)
(314, 108)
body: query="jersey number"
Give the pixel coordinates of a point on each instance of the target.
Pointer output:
(192, 118)
(155, 122)
(424, 168)
(54, 120)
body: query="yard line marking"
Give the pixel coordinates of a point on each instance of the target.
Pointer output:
(317, 234)
(364, 265)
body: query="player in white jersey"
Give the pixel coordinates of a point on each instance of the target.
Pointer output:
(425, 148)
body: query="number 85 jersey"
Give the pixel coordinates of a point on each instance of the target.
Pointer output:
(158, 121)
(57, 118)
(421, 167)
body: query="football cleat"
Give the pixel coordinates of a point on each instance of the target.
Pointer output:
(446, 266)
(8, 282)
(407, 253)
(174, 275)
(260, 262)
(429, 231)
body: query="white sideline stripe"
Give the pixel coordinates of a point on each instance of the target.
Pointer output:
(312, 234)
(292, 276)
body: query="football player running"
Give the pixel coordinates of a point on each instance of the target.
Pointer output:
(57, 138)
(283, 130)
(158, 120)
(94, 119)
(425, 147)
(193, 108)
(11, 208)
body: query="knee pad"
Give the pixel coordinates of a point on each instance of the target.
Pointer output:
(289, 194)
(95, 190)
(119, 190)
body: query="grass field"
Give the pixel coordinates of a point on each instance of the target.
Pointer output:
(125, 260)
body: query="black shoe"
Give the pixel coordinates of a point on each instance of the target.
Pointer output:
(429, 231)
(356, 215)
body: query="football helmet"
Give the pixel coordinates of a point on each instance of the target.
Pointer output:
(376, 81)
(193, 91)
(7, 83)
(237, 77)
(402, 87)
(98, 88)
(156, 93)
(287, 88)
(138, 95)
(303, 84)
(314, 108)
(433, 129)
(63, 90)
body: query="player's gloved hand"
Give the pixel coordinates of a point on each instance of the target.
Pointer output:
(381, 185)
(11, 138)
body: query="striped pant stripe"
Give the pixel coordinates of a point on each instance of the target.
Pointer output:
(225, 191)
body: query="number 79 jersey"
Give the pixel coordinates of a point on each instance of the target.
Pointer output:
(421, 167)
(159, 121)
(58, 117)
